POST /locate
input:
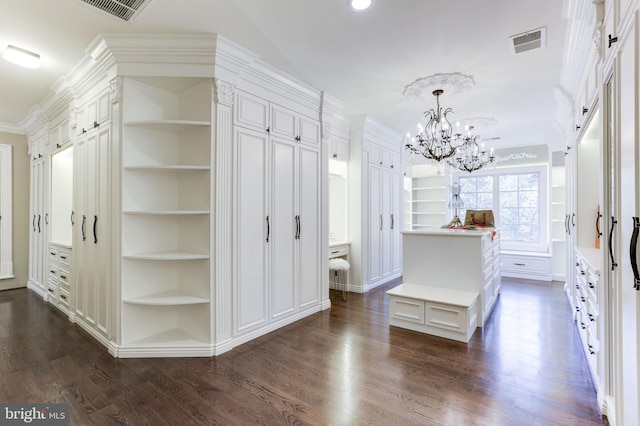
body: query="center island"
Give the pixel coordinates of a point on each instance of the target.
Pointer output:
(465, 261)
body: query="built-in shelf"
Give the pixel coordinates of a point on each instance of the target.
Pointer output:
(167, 256)
(170, 297)
(166, 212)
(166, 202)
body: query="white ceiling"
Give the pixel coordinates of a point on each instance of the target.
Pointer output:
(364, 59)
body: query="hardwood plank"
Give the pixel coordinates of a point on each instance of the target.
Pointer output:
(345, 365)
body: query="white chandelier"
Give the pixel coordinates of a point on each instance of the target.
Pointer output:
(438, 141)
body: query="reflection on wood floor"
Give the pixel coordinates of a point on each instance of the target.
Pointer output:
(343, 366)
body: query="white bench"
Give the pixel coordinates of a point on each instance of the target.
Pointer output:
(443, 312)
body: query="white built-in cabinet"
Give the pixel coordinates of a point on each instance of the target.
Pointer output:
(186, 198)
(38, 197)
(376, 197)
(92, 238)
(602, 168)
(60, 217)
(277, 158)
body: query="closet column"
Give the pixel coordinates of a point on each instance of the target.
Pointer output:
(222, 152)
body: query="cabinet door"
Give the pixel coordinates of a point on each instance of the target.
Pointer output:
(396, 221)
(284, 122)
(375, 225)
(80, 267)
(386, 211)
(308, 131)
(253, 233)
(250, 111)
(100, 232)
(628, 307)
(284, 226)
(309, 195)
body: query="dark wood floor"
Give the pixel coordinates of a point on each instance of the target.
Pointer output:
(344, 366)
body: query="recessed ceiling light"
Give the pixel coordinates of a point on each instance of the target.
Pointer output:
(21, 57)
(360, 5)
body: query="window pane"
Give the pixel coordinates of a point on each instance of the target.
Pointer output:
(518, 204)
(485, 184)
(528, 182)
(508, 182)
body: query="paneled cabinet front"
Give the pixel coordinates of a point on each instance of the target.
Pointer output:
(277, 202)
(385, 222)
(37, 219)
(91, 236)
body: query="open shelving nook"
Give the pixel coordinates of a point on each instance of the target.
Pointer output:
(166, 216)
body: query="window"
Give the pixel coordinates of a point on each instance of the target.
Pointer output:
(518, 198)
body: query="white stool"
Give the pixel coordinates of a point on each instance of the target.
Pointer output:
(339, 267)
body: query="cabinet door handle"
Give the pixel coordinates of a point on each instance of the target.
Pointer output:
(33, 222)
(613, 260)
(598, 216)
(268, 225)
(39, 230)
(297, 219)
(46, 219)
(573, 220)
(95, 229)
(83, 227)
(381, 222)
(72, 222)
(633, 251)
(391, 221)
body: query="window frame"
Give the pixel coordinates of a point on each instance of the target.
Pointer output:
(543, 199)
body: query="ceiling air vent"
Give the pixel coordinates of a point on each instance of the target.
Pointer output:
(123, 9)
(534, 39)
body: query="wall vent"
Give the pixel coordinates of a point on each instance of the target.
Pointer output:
(534, 39)
(123, 9)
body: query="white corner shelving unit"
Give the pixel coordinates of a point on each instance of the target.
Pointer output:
(166, 216)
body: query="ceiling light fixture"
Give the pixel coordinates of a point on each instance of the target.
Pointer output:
(21, 57)
(360, 5)
(436, 140)
(470, 156)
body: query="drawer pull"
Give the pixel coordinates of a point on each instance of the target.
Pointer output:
(62, 296)
(63, 257)
(591, 351)
(63, 277)
(592, 318)
(53, 272)
(583, 299)
(50, 290)
(582, 325)
(591, 285)
(52, 253)
(520, 264)
(334, 252)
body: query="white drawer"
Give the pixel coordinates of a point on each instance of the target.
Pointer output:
(403, 309)
(338, 251)
(535, 267)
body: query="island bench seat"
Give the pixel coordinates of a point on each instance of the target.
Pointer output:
(440, 311)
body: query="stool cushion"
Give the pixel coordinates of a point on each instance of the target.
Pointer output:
(338, 264)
